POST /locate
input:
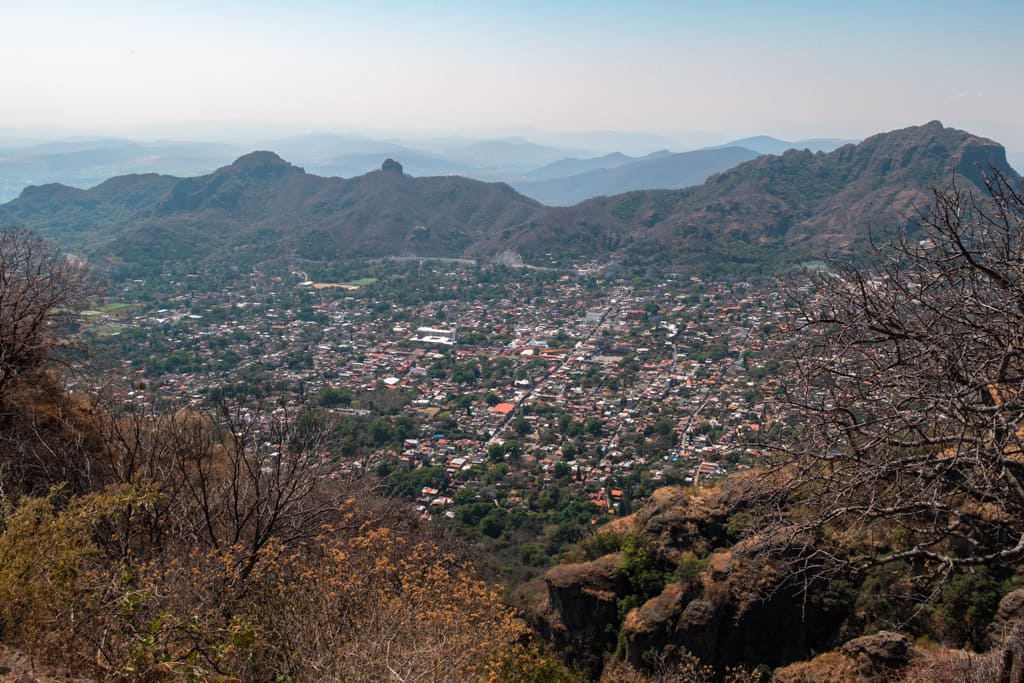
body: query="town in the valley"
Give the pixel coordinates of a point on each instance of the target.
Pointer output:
(526, 404)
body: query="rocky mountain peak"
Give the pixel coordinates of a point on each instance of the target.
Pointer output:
(391, 166)
(263, 164)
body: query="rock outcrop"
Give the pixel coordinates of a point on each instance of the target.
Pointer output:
(1009, 618)
(680, 519)
(582, 603)
(733, 611)
(885, 649)
(879, 657)
(391, 166)
(652, 626)
(740, 614)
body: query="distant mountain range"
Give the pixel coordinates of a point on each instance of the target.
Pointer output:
(798, 200)
(570, 181)
(765, 144)
(619, 173)
(261, 207)
(87, 161)
(563, 168)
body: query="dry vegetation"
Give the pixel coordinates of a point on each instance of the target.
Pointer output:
(210, 560)
(361, 600)
(184, 546)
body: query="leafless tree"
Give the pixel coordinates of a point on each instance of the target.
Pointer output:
(39, 290)
(230, 482)
(247, 481)
(901, 429)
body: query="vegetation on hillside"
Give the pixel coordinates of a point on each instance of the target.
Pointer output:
(261, 208)
(149, 546)
(903, 421)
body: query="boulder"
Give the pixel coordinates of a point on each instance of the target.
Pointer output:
(1009, 616)
(876, 658)
(883, 650)
(699, 628)
(648, 627)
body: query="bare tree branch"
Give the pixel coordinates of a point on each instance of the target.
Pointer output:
(901, 427)
(39, 292)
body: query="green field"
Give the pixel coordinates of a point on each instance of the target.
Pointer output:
(815, 266)
(113, 307)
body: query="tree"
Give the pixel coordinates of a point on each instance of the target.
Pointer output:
(522, 426)
(330, 397)
(229, 484)
(39, 291)
(44, 435)
(903, 412)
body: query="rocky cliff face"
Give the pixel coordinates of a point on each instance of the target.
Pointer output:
(729, 611)
(737, 613)
(582, 603)
(728, 602)
(679, 520)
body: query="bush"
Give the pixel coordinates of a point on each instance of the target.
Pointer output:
(362, 601)
(641, 570)
(965, 606)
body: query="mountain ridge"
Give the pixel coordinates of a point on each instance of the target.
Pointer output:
(766, 144)
(654, 172)
(261, 206)
(799, 199)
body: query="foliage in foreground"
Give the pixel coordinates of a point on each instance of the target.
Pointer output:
(361, 601)
(901, 438)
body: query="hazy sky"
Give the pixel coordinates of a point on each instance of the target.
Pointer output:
(790, 69)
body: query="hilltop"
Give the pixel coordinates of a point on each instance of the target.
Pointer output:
(261, 207)
(800, 199)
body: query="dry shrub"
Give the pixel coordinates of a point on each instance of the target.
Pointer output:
(1004, 663)
(47, 437)
(681, 667)
(941, 665)
(53, 577)
(361, 601)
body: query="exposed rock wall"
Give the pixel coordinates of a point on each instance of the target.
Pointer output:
(736, 612)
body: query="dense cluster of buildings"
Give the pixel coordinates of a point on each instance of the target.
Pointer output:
(611, 387)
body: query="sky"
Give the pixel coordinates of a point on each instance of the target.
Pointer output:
(717, 70)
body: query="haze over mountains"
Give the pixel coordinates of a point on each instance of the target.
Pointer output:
(765, 144)
(799, 200)
(661, 170)
(86, 161)
(263, 207)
